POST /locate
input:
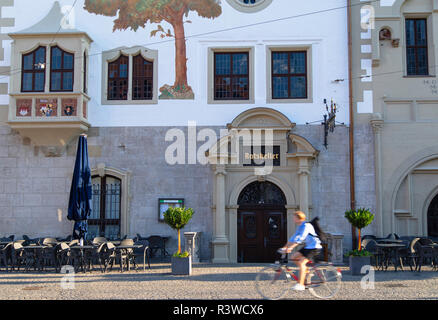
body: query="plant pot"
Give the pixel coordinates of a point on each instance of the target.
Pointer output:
(356, 264)
(182, 266)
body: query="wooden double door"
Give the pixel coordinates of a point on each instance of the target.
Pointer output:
(261, 232)
(432, 218)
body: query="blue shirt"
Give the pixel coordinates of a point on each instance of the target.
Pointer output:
(306, 233)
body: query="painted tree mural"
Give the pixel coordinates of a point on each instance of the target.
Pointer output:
(137, 13)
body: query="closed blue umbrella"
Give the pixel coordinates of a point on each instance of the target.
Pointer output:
(79, 204)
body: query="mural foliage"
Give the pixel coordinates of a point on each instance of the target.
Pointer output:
(134, 14)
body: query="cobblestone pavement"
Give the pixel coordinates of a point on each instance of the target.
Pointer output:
(207, 282)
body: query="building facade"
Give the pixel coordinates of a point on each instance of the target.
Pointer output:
(217, 107)
(394, 85)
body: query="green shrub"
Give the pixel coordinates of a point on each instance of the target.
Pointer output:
(177, 218)
(184, 254)
(359, 219)
(358, 253)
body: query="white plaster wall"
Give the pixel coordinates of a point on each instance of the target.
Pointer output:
(321, 24)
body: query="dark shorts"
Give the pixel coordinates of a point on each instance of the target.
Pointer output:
(310, 253)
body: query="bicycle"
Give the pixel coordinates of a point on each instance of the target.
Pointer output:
(323, 280)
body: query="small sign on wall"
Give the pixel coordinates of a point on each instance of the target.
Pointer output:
(166, 203)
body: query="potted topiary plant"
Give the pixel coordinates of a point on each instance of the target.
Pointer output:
(359, 257)
(177, 218)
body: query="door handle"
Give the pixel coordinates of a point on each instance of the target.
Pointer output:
(264, 240)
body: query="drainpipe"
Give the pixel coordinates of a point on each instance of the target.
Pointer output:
(351, 111)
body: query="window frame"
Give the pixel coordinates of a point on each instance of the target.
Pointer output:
(416, 47)
(114, 54)
(211, 75)
(33, 71)
(289, 75)
(118, 78)
(102, 221)
(62, 70)
(143, 77)
(85, 78)
(231, 75)
(269, 74)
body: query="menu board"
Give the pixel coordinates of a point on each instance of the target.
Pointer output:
(164, 204)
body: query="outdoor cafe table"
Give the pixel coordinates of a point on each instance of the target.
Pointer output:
(390, 252)
(120, 250)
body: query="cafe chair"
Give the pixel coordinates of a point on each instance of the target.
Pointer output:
(107, 255)
(426, 254)
(410, 254)
(62, 255)
(5, 255)
(18, 256)
(371, 246)
(156, 243)
(127, 256)
(98, 241)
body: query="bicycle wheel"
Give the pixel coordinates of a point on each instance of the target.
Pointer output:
(272, 282)
(324, 282)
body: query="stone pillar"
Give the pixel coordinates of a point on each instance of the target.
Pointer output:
(335, 246)
(304, 173)
(220, 241)
(290, 210)
(232, 222)
(192, 244)
(377, 125)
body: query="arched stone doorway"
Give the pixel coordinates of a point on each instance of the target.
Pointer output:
(414, 195)
(432, 218)
(261, 222)
(291, 174)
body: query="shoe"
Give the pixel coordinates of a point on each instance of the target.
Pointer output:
(298, 287)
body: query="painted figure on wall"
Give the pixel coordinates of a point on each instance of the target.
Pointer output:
(136, 13)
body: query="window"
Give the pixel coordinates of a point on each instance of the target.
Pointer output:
(142, 78)
(231, 76)
(85, 71)
(34, 71)
(416, 47)
(289, 75)
(249, 6)
(105, 215)
(118, 79)
(130, 76)
(61, 70)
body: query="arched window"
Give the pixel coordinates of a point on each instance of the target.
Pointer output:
(106, 211)
(142, 78)
(249, 6)
(34, 71)
(61, 70)
(118, 79)
(262, 193)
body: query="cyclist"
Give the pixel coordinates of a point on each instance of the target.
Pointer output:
(305, 233)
